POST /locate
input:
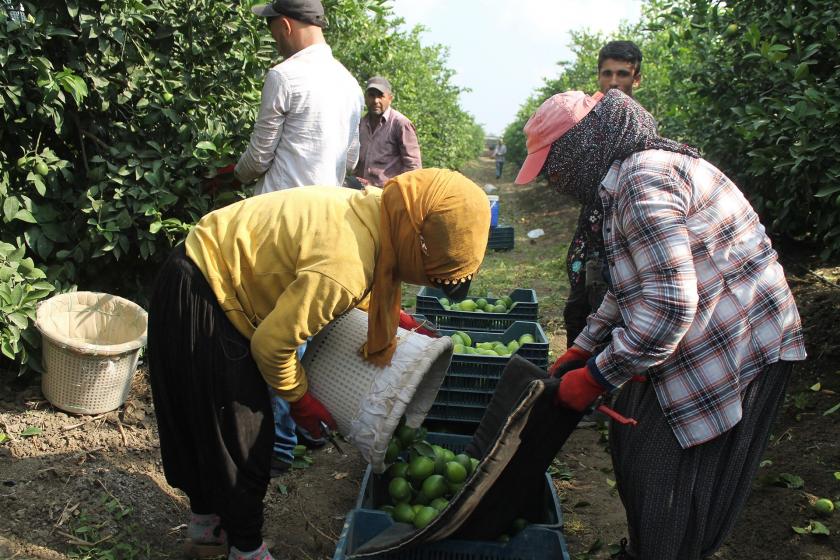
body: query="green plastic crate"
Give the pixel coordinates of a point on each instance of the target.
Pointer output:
(525, 308)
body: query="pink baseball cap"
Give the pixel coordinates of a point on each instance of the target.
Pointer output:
(555, 117)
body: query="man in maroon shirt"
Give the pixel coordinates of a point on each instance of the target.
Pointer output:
(388, 139)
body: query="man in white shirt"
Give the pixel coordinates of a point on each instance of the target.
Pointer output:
(306, 132)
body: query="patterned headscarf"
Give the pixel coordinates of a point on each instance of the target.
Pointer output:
(615, 128)
(434, 226)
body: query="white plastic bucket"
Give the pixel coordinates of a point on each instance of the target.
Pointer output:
(367, 401)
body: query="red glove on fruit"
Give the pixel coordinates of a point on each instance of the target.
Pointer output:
(574, 357)
(409, 323)
(308, 413)
(578, 389)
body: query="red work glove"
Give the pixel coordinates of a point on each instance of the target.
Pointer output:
(223, 177)
(308, 413)
(578, 389)
(573, 358)
(409, 323)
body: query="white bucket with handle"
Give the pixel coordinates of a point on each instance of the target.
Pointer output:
(367, 401)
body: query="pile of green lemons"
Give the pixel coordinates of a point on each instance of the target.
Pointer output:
(421, 477)
(463, 344)
(480, 305)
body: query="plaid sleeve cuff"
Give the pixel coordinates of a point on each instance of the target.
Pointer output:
(592, 365)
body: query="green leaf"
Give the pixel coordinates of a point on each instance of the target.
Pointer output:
(827, 191)
(31, 431)
(282, 488)
(837, 475)
(25, 215)
(206, 145)
(832, 410)
(818, 528)
(790, 481)
(815, 387)
(3, 437)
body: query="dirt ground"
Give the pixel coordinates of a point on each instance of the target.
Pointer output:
(92, 488)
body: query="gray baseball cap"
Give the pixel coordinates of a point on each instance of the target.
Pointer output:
(380, 83)
(308, 11)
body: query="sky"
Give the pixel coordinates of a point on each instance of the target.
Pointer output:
(502, 50)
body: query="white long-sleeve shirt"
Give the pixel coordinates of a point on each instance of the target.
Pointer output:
(307, 129)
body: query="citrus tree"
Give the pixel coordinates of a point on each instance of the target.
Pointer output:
(115, 112)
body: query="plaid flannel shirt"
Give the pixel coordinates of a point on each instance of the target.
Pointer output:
(697, 300)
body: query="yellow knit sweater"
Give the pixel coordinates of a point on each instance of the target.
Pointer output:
(284, 264)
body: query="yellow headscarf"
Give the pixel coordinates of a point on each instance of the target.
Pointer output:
(434, 225)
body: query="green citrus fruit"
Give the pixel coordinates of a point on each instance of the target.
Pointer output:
(21, 162)
(421, 468)
(824, 506)
(41, 168)
(499, 308)
(481, 303)
(468, 305)
(443, 301)
(392, 452)
(434, 486)
(464, 460)
(455, 487)
(448, 455)
(399, 489)
(167, 97)
(455, 472)
(507, 300)
(416, 508)
(456, 339)
(403, 513)
(513, 346)
(518, 524)
(470, 350)
(406, 436)
(439, 503)
(299, 450)
(526, 338)
(398, 470)
(424, 516)
(473, 464)
(458, 348)
(467, 339)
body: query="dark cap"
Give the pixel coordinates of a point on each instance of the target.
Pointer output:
(308, 11)
(380, 83)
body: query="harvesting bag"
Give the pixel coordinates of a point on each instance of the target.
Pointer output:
(368, 401)
(520, 434)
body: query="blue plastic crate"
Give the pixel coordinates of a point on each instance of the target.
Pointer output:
(535, 542)
(525, 308)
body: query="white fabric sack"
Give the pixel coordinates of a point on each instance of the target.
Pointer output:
(367, 401)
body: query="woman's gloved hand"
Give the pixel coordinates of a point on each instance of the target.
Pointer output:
(308, 413)
(574, 358)
(409, 323)
(578, 389)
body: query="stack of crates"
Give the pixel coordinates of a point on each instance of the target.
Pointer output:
(543, 539)
(471, 379)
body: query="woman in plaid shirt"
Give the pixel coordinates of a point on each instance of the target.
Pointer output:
(698, 312)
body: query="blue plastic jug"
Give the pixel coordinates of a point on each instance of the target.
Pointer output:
(494, 209)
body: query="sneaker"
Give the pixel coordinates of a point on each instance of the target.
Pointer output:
(279, 466)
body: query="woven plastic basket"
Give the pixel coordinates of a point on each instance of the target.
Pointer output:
(367, 401)
(91, 343)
